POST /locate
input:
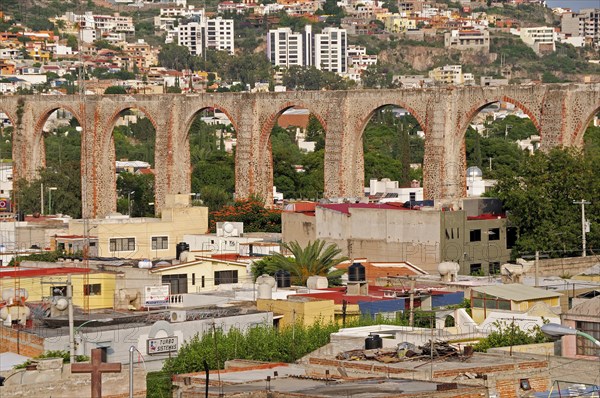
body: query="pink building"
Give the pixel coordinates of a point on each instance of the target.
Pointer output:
(584, 317)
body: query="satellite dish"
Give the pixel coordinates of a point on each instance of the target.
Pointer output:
(228, 227)
(61, 304)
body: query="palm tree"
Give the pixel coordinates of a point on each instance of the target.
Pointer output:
(314, 259)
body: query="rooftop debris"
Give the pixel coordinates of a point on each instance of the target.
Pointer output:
(406, 352)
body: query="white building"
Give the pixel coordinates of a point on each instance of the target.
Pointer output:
(219, 34)
(585, 24)
(190, 35)
(476, 185)
(285, 48)
(390, 191)
(331, 50)
(216, 34)
(541, 39)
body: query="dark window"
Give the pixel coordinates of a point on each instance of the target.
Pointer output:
(475, 269)
(122, 244)
(160, 242)
(412, 196)
(494, 234)
(511, 237)
(92, 244)
(92, 290)
(58, 291)
(475, 235)
(178, 283)
(202, 280)
(226, 277)
(193, 279)
(494, 268)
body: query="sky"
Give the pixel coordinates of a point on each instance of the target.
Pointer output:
(576, 5)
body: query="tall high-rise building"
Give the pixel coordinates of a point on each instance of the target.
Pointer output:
(331, 50)
(326, 50)
(216, 34)
(285, 48)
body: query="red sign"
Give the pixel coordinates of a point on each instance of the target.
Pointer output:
(4, 205)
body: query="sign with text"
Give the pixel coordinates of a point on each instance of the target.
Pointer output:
(162, 345)
(156, 295)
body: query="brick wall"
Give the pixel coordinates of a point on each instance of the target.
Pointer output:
(20, 341)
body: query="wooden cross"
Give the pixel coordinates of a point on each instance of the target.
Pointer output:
(96, 368)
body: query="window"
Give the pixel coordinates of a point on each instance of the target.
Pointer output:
(585, 346)
(494, 268)
(178, 283)
(193, 279)
(475, 269)
(226, 277)
(202, 280)
(160, 242)
(122, 244)
(475, 235)
(494, 234)
(92, 290)
(412, 196)
(58, 291)
(511, 237)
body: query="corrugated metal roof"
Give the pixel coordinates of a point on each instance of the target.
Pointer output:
(516, 292)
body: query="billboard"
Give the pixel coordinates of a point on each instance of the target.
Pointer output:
(4, 204)
(156, 295)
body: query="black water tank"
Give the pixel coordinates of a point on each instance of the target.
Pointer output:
(283, 278)
(373, 342)
(356, 273)
(180, 248)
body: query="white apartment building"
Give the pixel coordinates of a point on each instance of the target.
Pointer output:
(331, 50)
(190, 35)
(219, 34)
(541, 39)
(216, 34)
(285, 48)
(169, 16)
(101, 23)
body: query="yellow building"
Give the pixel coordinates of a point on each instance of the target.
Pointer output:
(513, 297)
(140, 238)
(299, 309)
(91, 289)
(203, 274)
(399, 24)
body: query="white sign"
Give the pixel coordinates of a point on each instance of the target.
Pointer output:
(162, 345)
(156, 295)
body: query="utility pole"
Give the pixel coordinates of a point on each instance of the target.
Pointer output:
(584, 223)
(71, 321)
(411, 319)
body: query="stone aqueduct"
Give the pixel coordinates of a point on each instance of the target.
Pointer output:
(561, 114)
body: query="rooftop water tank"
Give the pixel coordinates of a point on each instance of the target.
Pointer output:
(145, 264)
(317, 282)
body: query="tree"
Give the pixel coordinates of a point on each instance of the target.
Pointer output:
(115, 90)
(509, 334)
(252, 212)
(175, 57)
(315, 259)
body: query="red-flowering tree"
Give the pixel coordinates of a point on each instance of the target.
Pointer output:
(251, 212)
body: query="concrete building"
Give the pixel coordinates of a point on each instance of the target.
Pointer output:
(584, 317)
(476, 184)
(140, 238)
(296, 309)
(516, 298)
(541, 39)
(216, 34)
(389, 191)
(91, 289)
(202, 274)
(451, 75)
(474, 234)
(585, 23)
(330, 50)
(477, 40)
(286, 48)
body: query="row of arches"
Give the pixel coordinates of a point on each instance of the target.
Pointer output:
(133, 134)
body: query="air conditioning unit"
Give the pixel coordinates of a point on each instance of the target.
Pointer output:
(177, 316)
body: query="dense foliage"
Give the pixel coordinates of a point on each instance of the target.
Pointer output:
(65, 355)
(251, 212)
(509, 334)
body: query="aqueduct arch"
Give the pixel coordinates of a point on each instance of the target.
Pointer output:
(561, 112)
